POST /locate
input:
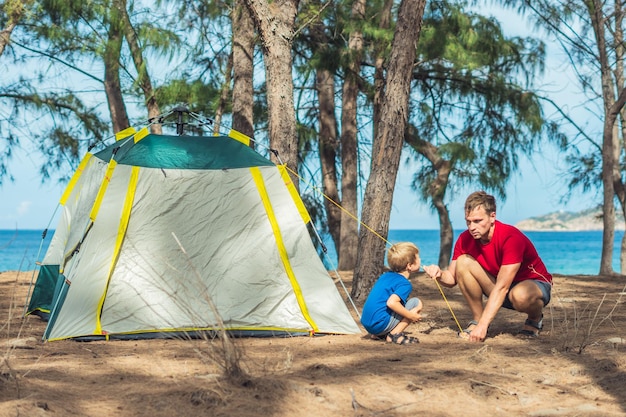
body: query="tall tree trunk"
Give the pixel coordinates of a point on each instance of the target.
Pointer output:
(219, 112)
(328, 141)
(610, 144)
(112, 85)
(387, 148)
(620, 187)
(379, 69)
(325, 85)
(243, 70)
(437, 191)
(274, 21)
(143, 79)
(611, 180)
(349, 161)
(608, 207)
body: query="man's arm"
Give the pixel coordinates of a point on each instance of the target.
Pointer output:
(446, 277)
(494, 301)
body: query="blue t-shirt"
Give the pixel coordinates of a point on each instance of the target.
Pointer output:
(376, 314)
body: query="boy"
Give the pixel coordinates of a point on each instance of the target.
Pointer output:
(388, 309)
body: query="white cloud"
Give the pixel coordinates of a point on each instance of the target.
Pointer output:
(23, 208)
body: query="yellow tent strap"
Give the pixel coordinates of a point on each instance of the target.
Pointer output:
(121, 232)
(339, 205)
(103, 188)
(295, 195)
(239, 137)
(141, 134)
(376, 234)
(75, 177)
(282, 250)
(123, 134)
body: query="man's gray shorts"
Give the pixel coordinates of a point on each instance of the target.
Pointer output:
(545, 287)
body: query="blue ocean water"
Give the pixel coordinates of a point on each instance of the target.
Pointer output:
(19, 249)
(568, 253)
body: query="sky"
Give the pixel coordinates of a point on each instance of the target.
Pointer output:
(27, 203)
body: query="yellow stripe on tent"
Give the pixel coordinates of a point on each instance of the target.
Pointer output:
(123, 134)
(103, 188)
(295, 195)
(141, 134)
(75, 177)
(121, 232)
(282, 250)
(239, 137)
(188, 330)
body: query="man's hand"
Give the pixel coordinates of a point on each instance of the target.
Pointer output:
(446, 278)
(478, 333)
(474, 333)
(433, 271)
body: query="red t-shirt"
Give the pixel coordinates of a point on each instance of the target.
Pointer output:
(507, 246)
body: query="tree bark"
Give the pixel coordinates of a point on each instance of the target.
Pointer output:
(143, 79)
(620, 187)
(379, 68)
(611, 180)
(112, 85)
(274, 21)
(223, 101)
(387, 148)
(328, 145)
(436, 191)
(347, 254)
(328, 142)
(610, 143)
(243, 70)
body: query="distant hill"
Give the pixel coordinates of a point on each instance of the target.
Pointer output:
(590, 219)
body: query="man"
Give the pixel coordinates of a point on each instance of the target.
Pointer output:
(496, 260)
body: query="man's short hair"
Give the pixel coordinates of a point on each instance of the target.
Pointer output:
(480, 198)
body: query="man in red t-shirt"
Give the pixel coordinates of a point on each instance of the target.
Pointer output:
(497, 260)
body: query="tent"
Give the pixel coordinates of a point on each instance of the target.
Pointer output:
(167, 235)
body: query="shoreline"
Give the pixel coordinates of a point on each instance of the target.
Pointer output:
(332, 271)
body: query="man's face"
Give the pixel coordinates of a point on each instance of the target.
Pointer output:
(480, 224)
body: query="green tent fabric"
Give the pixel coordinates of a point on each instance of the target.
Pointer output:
(158, 233)
(185, 152)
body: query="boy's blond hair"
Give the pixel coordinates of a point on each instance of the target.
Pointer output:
(400, 255)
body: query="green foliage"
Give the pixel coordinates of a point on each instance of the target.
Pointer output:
(585, 170)
(196, 95)
(473, 98)
(472, 95)
(58, 43)
(63, 140)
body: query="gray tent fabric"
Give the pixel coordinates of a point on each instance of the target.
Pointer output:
(147, 245)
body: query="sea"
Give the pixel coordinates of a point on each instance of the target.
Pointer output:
(567, 253)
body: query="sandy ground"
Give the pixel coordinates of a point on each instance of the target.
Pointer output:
(577, 367)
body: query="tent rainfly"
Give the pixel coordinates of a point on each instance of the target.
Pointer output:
(176, 235)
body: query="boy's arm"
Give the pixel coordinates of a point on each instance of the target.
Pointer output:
(395, 303)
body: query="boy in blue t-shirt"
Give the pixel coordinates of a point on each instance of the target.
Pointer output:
(388, 309)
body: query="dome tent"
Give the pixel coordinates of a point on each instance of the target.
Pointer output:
(158, 232)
